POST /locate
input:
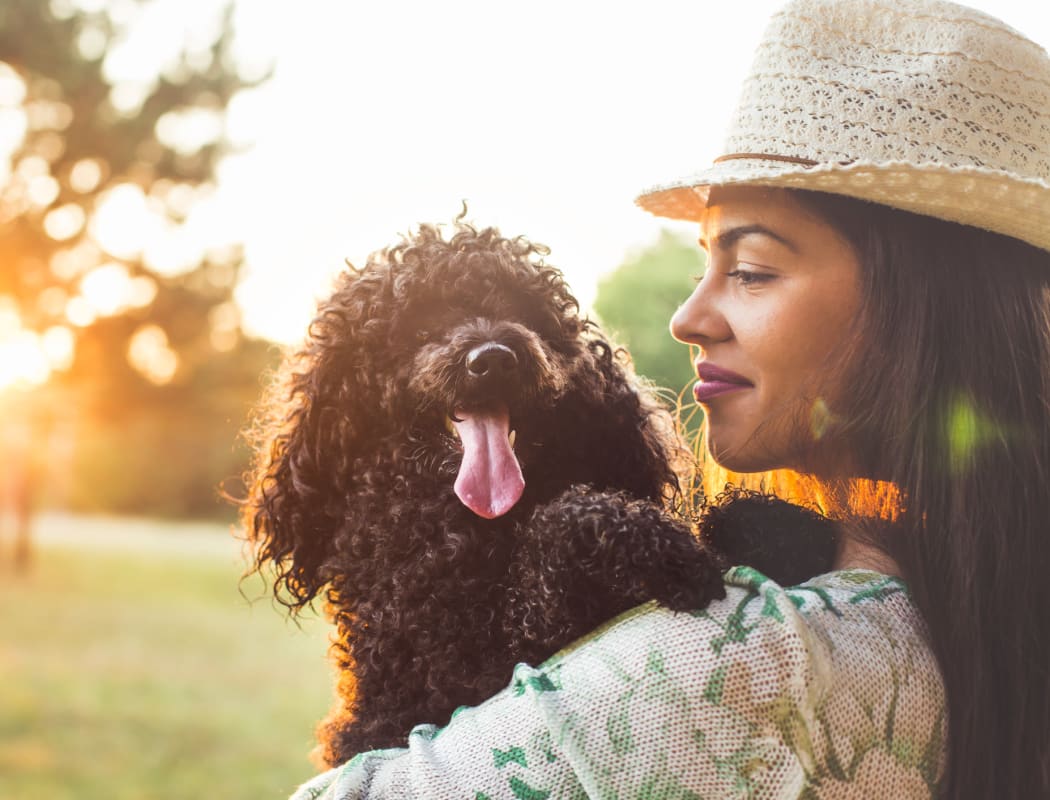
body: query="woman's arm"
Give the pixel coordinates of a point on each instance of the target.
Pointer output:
(716, 703)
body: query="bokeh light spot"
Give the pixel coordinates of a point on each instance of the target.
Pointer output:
(150, 355)
(52, 301)
(80, 312)
(13, 127)
(141, 291)
(64, 222)
(967, 430)
(188, 131)
(12, 87)
(122, 223)
(224, 321)
(178, 198)
(178, 252)
(85, 175)
(10, 319)
(962, 432)
(48, 115)
(68, 263)
(50, 146)
(127, 97)
(22, 360)
(58, 344)
(107, 288)
(33, 166)
(820, 418)
(91, 42)
(42, 191)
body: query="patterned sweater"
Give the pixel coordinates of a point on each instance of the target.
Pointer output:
(823, 690)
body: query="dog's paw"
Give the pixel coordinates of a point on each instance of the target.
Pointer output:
(688, 582)
(602, 552)
(784, 541)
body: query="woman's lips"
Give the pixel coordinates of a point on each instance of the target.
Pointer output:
(715, 381)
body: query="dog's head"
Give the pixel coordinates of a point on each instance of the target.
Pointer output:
(463, 359)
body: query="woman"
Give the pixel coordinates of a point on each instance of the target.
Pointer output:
(872, 333)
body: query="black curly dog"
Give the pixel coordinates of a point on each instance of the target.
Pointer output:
(472, 476)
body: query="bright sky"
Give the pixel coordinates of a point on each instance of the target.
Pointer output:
(547, 116)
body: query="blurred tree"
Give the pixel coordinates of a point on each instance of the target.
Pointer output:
(111, 315)
(636, 301)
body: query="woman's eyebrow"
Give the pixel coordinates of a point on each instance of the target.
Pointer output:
(727, 237)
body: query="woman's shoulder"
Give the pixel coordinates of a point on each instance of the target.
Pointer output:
(823, 615)
(862, 632)
(829, 685)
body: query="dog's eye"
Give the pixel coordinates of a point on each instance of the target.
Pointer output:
(422, 336)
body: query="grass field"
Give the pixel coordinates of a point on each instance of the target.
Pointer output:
(131, 667)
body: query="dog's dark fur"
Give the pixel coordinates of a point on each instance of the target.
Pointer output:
(353, 494)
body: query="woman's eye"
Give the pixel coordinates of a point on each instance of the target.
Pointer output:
(747, 277)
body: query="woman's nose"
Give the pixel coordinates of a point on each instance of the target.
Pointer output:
(698, 320)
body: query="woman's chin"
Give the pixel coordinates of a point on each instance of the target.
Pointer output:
(734, 458)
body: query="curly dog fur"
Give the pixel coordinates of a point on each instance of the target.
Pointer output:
(357, 492)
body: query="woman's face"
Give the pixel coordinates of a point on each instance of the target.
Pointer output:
(773, 310)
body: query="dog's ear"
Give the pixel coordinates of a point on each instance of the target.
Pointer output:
(652, 444)
(314, 423)
(630, 430)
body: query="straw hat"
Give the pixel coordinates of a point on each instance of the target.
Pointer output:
(923, 105)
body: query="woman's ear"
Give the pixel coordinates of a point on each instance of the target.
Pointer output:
(313, 423)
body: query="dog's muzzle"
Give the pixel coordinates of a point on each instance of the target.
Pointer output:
(492, 364)
(490, 481)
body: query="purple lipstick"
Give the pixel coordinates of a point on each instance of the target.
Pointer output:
(715, 381)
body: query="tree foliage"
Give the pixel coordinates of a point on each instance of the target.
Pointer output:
(134, 361)
(636, 301)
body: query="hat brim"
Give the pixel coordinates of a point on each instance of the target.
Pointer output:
(981, 197)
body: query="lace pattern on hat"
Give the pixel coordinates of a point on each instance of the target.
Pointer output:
(814, 100)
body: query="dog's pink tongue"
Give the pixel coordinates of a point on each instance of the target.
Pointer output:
(490, 480)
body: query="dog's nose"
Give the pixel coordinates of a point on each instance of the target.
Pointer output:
(491, 360)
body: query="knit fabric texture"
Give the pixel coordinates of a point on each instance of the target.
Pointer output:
(823, 690)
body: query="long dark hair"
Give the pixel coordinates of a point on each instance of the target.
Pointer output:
(948, 398)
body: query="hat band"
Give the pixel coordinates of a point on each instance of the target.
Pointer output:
(767, 157)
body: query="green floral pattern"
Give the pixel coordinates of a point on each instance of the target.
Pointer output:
(823, 690)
